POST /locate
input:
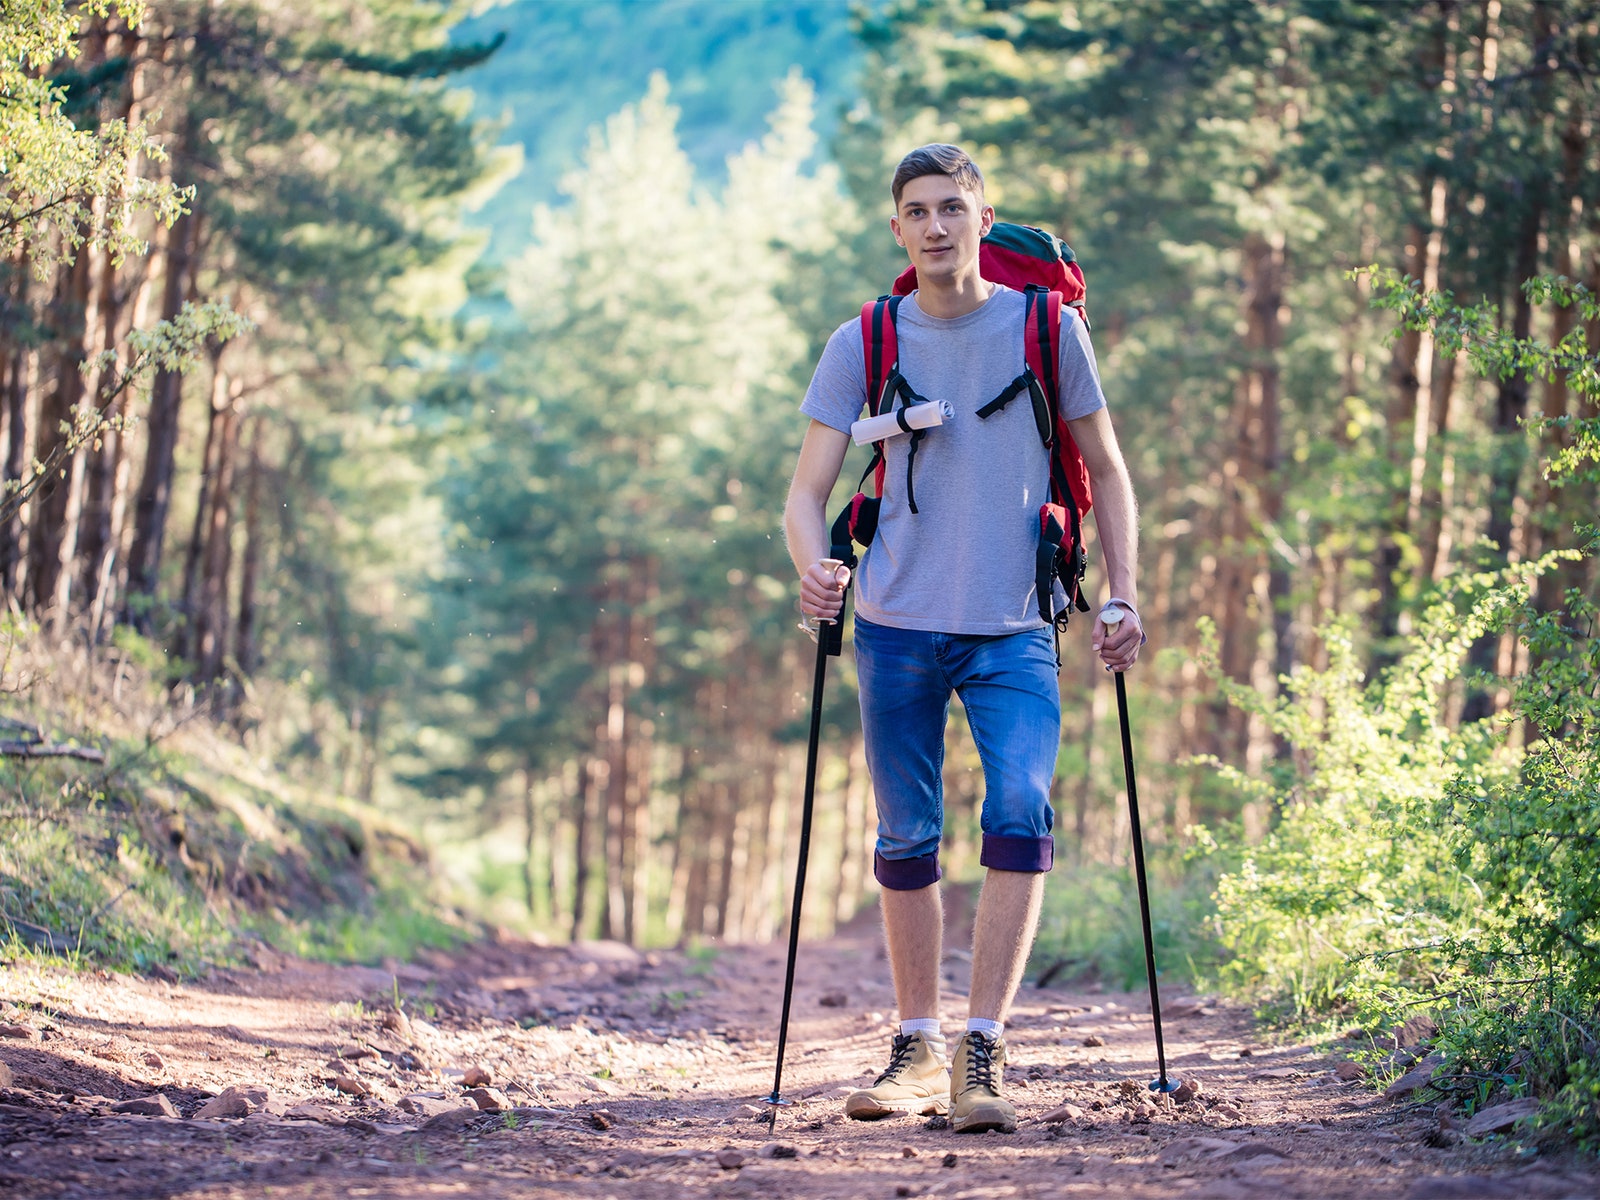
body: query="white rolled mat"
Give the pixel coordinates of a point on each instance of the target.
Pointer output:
(917, 416)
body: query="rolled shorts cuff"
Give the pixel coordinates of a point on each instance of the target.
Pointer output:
(1009, 853)
(907, 874)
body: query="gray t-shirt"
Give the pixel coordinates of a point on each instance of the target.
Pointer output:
(964, 562)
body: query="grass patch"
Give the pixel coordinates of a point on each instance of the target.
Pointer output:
(1090, 931)
(181, 848)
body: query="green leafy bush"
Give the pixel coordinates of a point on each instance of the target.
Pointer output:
(1420, 865)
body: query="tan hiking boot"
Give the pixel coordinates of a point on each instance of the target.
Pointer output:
(915, 1081)
(976, 1069)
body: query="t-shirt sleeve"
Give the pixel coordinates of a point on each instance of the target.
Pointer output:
(838, 388)
(1080, 377)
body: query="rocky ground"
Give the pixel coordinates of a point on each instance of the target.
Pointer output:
(516, 1070)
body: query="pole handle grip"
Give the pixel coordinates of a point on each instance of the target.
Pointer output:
(830, 634)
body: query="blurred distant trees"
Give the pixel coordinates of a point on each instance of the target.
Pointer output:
(273, 193)
(619, 591)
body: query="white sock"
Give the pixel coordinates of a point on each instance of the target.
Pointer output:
(990, 1029)
(928, 1027)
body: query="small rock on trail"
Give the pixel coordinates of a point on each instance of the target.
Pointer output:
(233, 1102)
(147, 1106)
(490, 1099)
(1417, 1078)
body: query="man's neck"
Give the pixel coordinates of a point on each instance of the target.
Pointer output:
(954, 298)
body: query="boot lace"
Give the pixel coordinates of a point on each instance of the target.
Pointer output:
(980, 1061)
(900, 1053)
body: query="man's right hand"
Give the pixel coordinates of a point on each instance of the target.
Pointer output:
(822, 588)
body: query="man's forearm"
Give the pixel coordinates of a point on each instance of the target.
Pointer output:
(1116, 518)
(805, 530)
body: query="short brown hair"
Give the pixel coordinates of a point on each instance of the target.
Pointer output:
(938, 158)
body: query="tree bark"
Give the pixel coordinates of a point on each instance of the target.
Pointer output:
(583, 824)
(14, 392)
(245, 649)
(106, 487)
(210, 552)
(53, 533)
(154, 498)
(530, 841)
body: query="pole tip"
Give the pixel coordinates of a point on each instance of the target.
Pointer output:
(1165, 1086)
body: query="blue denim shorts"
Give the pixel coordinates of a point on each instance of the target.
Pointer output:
(1008, 687)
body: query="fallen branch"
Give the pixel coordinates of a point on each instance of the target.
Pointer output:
(37, 936)
(41, 750)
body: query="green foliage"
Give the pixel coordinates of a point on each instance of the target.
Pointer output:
(1317, 912)
(65, 186)
(1478, 330)
(1417, 864)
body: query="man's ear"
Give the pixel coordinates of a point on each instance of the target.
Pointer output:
(894, 224)
(986, 221)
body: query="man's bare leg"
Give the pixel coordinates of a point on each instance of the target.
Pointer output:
(917, 1079)
(913, 926)
(1002, 936)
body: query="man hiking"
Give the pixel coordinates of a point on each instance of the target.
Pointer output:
(946, 602)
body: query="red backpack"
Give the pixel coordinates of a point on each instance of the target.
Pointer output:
(1045, 270)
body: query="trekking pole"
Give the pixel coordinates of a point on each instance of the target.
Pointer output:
(830, 644)
(1111, 616)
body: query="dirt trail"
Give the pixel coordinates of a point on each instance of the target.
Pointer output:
(628, 1075)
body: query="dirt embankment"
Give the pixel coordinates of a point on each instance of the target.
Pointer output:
(593, 1071)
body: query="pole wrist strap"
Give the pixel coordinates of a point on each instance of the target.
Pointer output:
(1120, 603)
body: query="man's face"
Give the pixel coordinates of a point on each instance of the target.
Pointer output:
(940, 224)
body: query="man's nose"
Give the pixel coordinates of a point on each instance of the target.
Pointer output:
(936, 228)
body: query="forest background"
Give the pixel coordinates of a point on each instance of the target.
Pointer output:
(408, 395)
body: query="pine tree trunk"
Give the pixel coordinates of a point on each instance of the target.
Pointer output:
(616, 732)
(686, 840)
(54, 529)
(14, 392)
(246, 651)
(726, 857)
(530, 841)
(582, 848)
(1264, 340)
(1438, 494)
(106, 492)
(212, 615)
(212, 521)
(644, 591)
(154, 498)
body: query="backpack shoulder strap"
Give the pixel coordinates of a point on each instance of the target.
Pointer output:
(880, 346)
(1041, 340)
(881, 350)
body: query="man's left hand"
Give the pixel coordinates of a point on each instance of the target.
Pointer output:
(1118, 644)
